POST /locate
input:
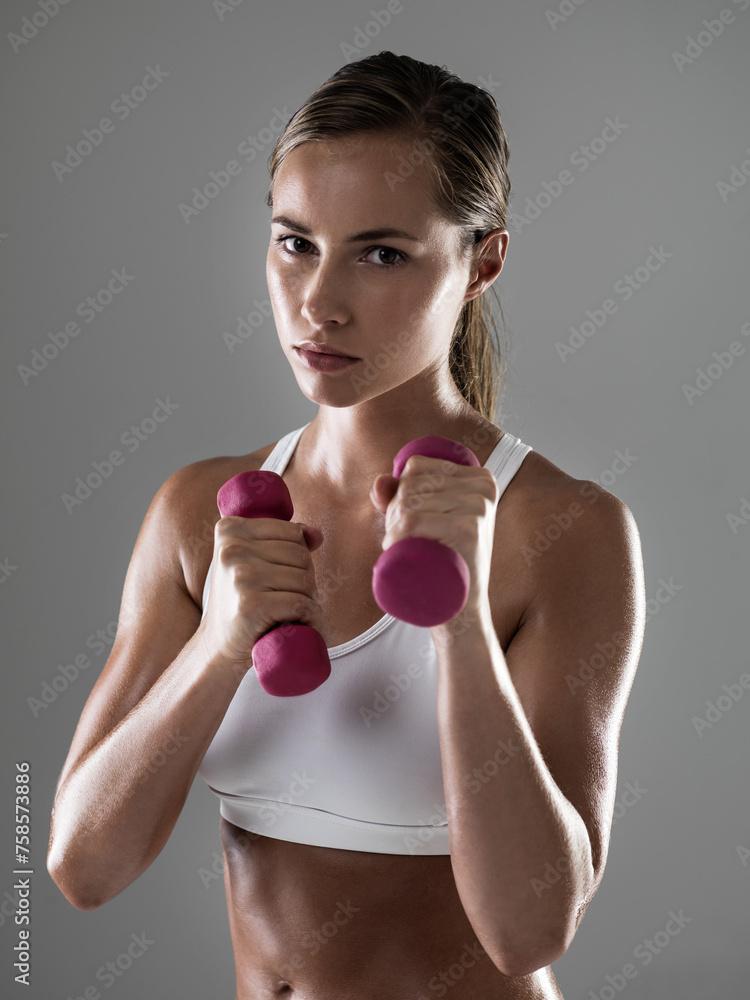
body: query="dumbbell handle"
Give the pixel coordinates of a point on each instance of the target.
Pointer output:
(419, 580)
(291, 658)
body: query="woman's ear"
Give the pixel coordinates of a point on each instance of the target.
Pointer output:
(488, 262)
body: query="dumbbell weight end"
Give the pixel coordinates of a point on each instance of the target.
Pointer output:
(420, 580)
(291, 658)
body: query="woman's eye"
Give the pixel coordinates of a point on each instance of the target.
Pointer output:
(400, 258)
(386, 250)
(282, 241)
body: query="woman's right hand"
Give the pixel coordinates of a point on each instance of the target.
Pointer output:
(262, 575)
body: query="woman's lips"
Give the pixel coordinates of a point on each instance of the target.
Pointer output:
(324, 362)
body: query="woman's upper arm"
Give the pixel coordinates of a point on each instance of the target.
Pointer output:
(157, 615)
(574, 658)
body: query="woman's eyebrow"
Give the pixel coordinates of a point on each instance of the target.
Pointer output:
(367, 234)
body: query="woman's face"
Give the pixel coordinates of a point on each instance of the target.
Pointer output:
(391, 301)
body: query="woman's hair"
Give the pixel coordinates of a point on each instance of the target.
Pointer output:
(454, 128)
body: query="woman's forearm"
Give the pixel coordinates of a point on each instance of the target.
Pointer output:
(116, 808)
(506, 815)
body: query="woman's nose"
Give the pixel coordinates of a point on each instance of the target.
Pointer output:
(323, 298)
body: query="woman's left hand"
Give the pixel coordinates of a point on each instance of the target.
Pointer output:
(450, 503)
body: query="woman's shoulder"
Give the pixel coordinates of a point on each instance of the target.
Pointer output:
(544, 503)
(540, 486)
(549, 528)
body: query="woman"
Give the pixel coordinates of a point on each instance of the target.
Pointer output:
(435, 816)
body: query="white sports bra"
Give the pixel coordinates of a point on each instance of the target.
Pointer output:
(354, 764)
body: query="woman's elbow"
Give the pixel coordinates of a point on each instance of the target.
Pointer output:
(71, 885)
(525, 959)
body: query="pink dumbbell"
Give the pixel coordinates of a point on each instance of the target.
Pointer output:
(294, 659)
(419, 580)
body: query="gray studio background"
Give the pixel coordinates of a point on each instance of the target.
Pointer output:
(682, 838)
